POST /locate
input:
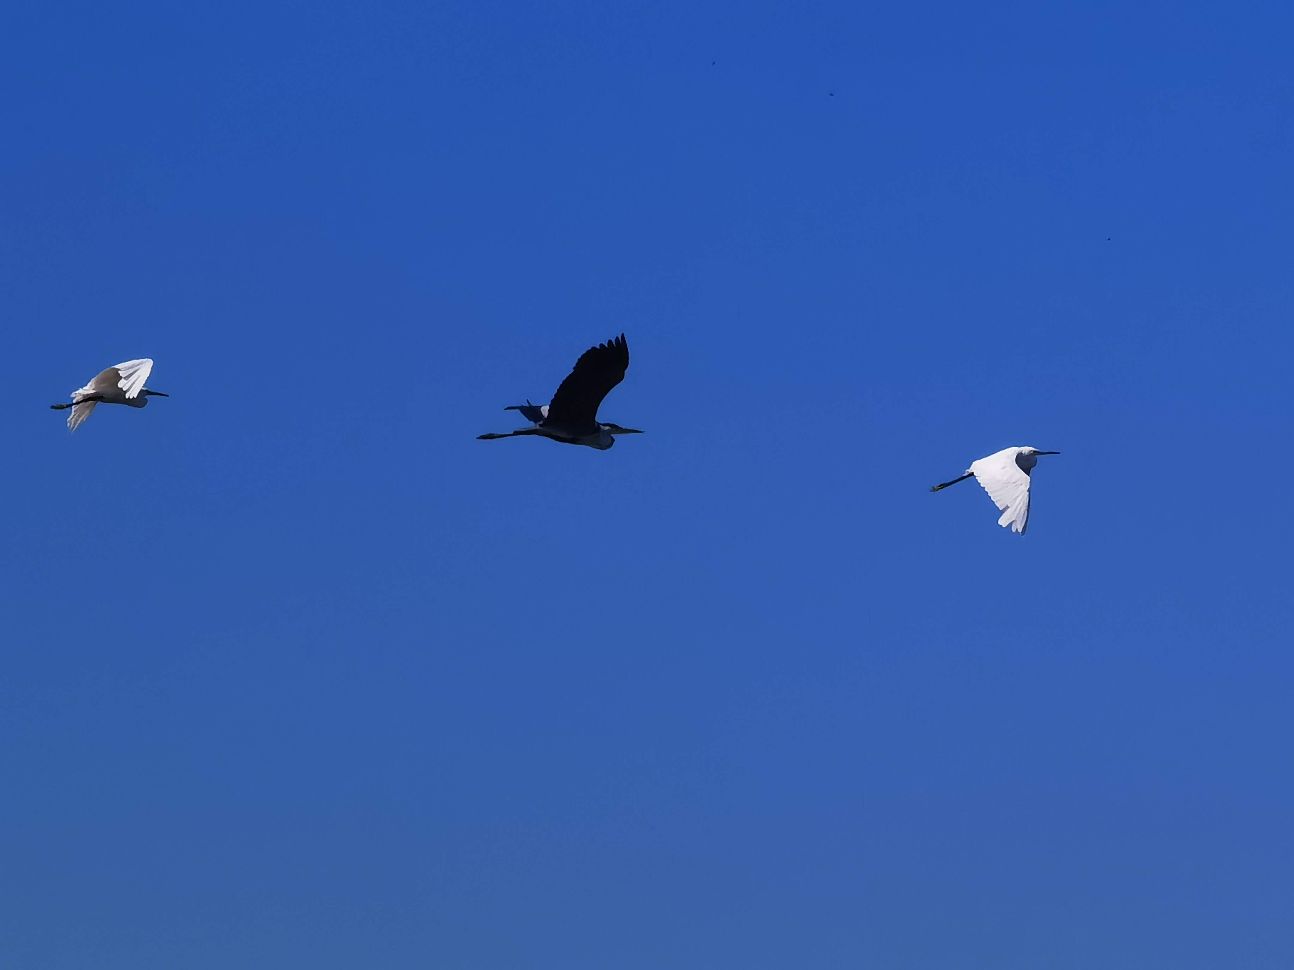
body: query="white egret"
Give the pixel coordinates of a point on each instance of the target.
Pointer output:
(120, 384)
(572, 417)
(1005, 475)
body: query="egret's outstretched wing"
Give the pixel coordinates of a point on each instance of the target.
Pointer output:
(598, 370)
(102, 383)
(112, 384)
(128, 377)
(133, 374)
(79, 413)
(1007, 485)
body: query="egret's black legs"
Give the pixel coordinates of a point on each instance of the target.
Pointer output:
(96, 398)
(93, 398)
(506, 434)
(935, 488)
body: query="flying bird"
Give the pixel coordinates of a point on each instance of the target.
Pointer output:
(1005, 475)
(120, 384)
(572, 417)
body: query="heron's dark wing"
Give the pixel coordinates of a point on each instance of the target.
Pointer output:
(598, 370)
(534, 413)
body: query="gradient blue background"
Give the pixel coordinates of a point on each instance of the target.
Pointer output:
(298, 673)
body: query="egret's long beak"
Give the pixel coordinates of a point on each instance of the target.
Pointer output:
(627, 431)
(1047, 452)
(152, 393)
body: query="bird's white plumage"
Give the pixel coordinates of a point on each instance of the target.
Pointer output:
(134, 373)
(119, 384)
(79, 413)
(126, 380)
(1007, 485)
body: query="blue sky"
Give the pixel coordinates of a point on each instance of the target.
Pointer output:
(299, 673)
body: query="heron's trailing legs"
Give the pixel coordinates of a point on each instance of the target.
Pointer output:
(935, 488)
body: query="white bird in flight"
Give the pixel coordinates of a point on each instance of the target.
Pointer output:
(572, 418)
(1005, 475)
(120, 384)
